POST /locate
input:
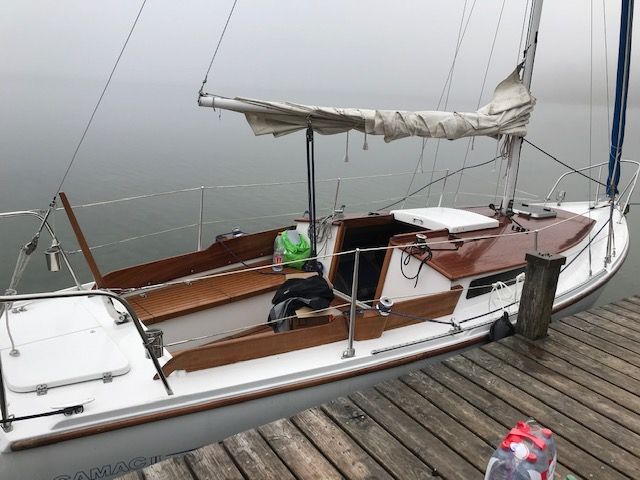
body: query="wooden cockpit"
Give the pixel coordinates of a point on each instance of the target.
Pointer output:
(456, 257)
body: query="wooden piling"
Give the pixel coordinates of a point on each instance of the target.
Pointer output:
(538, 293)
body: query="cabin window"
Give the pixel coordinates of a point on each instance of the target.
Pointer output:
(483, 285)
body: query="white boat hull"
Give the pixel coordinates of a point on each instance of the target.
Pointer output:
(114, 453)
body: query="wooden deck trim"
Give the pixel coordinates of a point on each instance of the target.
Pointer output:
(372, 325)
(358, 219)
(256, 346)
(82, 241)
(430, 306)
(383, 273)
(335, 261)
(500, 252)
(245, 247)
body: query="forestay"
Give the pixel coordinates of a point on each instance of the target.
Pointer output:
(507, 114)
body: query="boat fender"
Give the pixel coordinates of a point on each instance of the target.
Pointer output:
(501, 328)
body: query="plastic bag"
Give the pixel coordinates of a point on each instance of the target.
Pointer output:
(296, 248)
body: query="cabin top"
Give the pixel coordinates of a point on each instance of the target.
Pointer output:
(474, 255)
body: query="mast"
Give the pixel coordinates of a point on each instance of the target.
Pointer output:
(515, 143)
(622, 89)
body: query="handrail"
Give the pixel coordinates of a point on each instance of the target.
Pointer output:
(632, 182)
(97, 293)
(39, 215)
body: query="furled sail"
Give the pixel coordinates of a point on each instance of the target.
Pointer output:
(622, 92)
(507, 114)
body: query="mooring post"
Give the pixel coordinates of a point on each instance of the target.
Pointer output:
(538, 292)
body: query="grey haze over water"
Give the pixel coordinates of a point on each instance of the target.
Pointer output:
(149, 135)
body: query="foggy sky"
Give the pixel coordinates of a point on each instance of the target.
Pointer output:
(302, 48)
(56, 56)
(150, 136)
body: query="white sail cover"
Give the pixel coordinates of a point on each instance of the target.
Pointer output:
(507, 114)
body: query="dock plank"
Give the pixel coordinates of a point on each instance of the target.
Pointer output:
(339, 448)
(255, 458)
(625, 439)
(618, 313)
(378, 443)
(456, 406)
(212, 462)
(583, 356)
(576, 459)
(600, 318)
(591, 442)
(469, 446)
(596, 330)
(632, 303)
(635, 298)
(588, 389)
(442, 460)
(464, 412)
(294, 449)
(131, 476)
(169, 469)
(597, 342)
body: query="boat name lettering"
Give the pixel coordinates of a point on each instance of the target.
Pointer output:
(110, 470)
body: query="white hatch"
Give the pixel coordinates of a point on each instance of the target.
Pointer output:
(71, 358)
(453, 219)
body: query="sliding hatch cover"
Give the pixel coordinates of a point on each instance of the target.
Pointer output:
(64, 360)
(453, 219)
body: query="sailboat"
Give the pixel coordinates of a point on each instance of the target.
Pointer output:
(165, 356)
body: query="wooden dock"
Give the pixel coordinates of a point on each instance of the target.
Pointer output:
(444, 421)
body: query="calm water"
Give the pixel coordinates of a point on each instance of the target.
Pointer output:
(140, 145)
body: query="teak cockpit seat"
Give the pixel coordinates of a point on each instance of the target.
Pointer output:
(172, 301)
(180, 299)
(184, 298)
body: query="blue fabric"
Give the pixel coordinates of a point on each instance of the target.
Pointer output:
(622, 89)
